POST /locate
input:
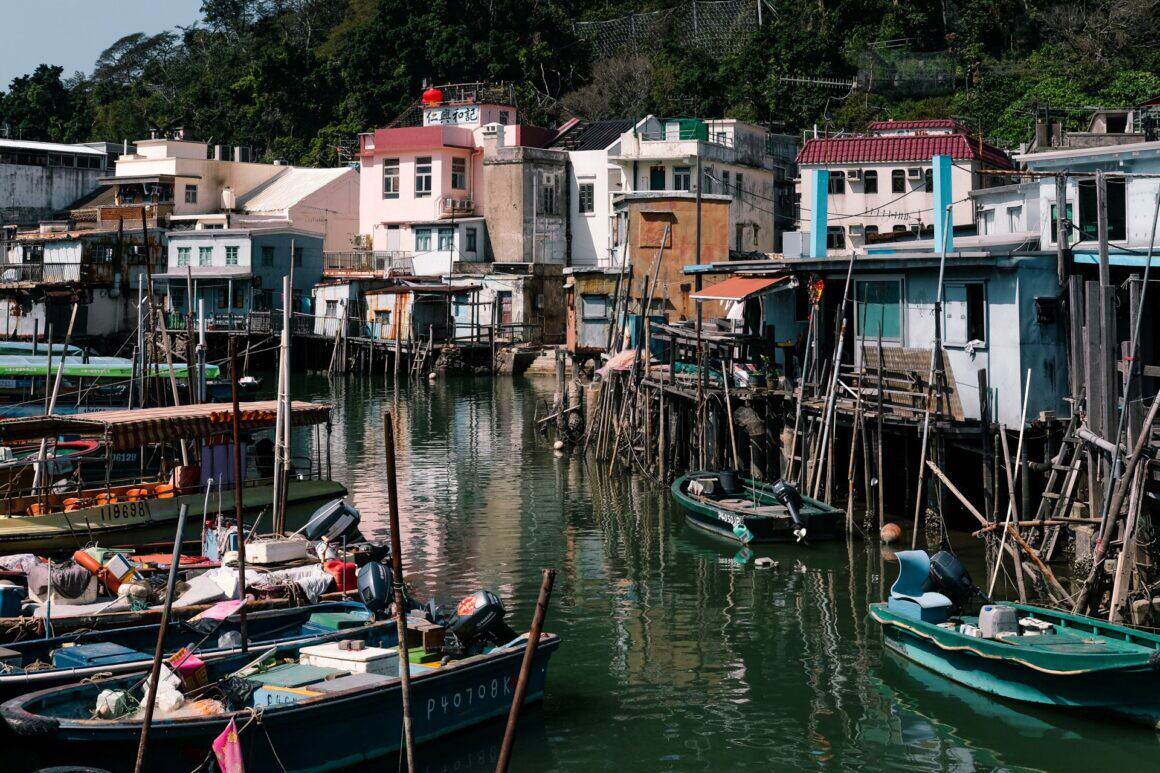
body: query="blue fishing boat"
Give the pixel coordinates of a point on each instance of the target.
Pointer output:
(42, 663)
(293, 710)
(1017, 651)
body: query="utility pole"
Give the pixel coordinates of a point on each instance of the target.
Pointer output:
(700, 358)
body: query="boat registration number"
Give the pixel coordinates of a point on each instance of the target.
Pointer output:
(124, 512)
(462, 700)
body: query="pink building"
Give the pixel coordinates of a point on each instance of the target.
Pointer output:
(421, 184)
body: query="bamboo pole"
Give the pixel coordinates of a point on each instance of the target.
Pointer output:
(1011, 486)
(797, 419)
(834, 371)
(159, 649)
(505, 750)
(397, 572)
(236, 420)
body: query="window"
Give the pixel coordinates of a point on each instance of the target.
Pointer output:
(899, 228)
(594, 308)
(422, 240)
(1067, 216)
(470, 237)
(422, 177)
(331, 308)
(739, 184)
(231, 256)
(390, 178)
(880, 309)
(267, 255)
(682, 178)
(239, 295)
(183, 256)
(204, 256)
(1088, 228)
(964, 313)
(176, 297)
(446, 239)
(871, 232)
(191, 194)
(223, 297)
(898, 181)
(459, 174)
(837, 183)
(547, 203)
(504, 117)
(870, 181)
(1014, 219)
(835, 238)
(928, 180)
(656, 178)
(724, 181)
(987, 222)
(587, 198)
(298, 257)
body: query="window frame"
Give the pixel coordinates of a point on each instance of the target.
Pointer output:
(191, 194)
(952, 339)
(586, 299)
(682, 178)
(232, 254)
(458, 173)
(424, 179)
(586, 197)
(391, 178)
(183, 256)
(836, 185)
(423, 240)
(870, 181)
(833, 243)
(205, 256)
(445, 239)
(898, 181)
(471, 239)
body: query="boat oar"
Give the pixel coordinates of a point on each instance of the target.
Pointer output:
(397, 572)
(505, 751)
(155, 671)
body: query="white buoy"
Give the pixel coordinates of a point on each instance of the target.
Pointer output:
(431, 376)
(558, 445)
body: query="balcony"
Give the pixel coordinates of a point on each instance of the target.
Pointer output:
(367, 264)
(449, 207)
(27, 274)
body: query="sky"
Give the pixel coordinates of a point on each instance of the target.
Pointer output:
(73, 33)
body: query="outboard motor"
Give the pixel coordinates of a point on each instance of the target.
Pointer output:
(792, 500)
(375, 588)
(334, 521)
(478, 622)
(950, 578)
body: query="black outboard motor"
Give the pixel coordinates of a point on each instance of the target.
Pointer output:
(375, 587)
(950, 578)
(478, 622)
(792, 500)
(335, 521)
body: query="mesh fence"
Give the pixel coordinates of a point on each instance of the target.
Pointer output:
(713, 24)
(903, 73)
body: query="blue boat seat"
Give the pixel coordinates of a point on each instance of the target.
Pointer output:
(911, 595)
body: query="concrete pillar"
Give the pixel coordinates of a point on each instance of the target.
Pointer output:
(819, 213)
(943, 196)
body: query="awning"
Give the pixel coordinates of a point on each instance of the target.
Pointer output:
(130, 429)
(739, 288)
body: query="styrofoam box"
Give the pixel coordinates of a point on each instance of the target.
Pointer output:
(276, 551)
(371, 660)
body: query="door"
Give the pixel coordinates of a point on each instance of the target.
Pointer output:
(394, 240)
(505, 307)
(656, 178)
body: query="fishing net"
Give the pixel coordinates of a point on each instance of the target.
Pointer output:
(710, 24)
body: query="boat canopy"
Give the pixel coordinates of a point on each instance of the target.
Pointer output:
(131, 429)
(96, 367)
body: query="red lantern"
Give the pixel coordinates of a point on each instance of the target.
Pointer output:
(432, 96)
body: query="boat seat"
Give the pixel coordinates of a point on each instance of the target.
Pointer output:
(911, 595)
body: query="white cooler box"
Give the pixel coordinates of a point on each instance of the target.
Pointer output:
(370, 660)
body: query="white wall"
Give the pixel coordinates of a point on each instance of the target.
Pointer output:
(590, 231)
(29, 194)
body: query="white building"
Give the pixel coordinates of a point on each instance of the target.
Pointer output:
(881, 183)
(38, 179)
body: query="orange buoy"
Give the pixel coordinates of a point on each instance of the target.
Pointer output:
(890, 533)
(164, 491)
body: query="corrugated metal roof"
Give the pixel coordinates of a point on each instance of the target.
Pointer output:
(54, 147)
(848, 150)
(592, 135)
(289, 188)
(738, 288)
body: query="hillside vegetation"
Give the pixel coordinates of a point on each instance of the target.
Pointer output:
(296, 79)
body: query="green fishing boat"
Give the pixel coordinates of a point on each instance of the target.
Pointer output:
(739, 509)
(1018, 651)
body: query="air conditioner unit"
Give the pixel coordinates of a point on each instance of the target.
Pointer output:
(854, 175)
(914, 173)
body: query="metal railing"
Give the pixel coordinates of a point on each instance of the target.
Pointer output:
(39, 273)
(369, 262)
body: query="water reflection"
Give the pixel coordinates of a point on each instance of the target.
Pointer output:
(679, 653)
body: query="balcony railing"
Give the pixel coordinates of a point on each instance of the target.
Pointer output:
(377, 262)
(39, 273)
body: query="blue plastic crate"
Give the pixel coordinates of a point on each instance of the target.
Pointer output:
(99, 654)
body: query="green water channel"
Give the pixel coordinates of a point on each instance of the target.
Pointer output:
(678, 654)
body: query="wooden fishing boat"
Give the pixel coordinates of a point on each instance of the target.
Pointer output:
(18, 462)
(325, 725)
(1040, 656)
(739, 509)
(43, 663)
(144, 510)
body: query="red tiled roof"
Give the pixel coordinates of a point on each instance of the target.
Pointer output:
(926, 123)
(852, 150)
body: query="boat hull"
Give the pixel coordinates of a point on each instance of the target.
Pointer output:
(132, 524)
(315, 735)
(1133, 692)
(824, 521)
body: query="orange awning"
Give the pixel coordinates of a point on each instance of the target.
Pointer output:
(739, 288)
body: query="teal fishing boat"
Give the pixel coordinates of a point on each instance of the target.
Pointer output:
(727, 505)
(1017, 651)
